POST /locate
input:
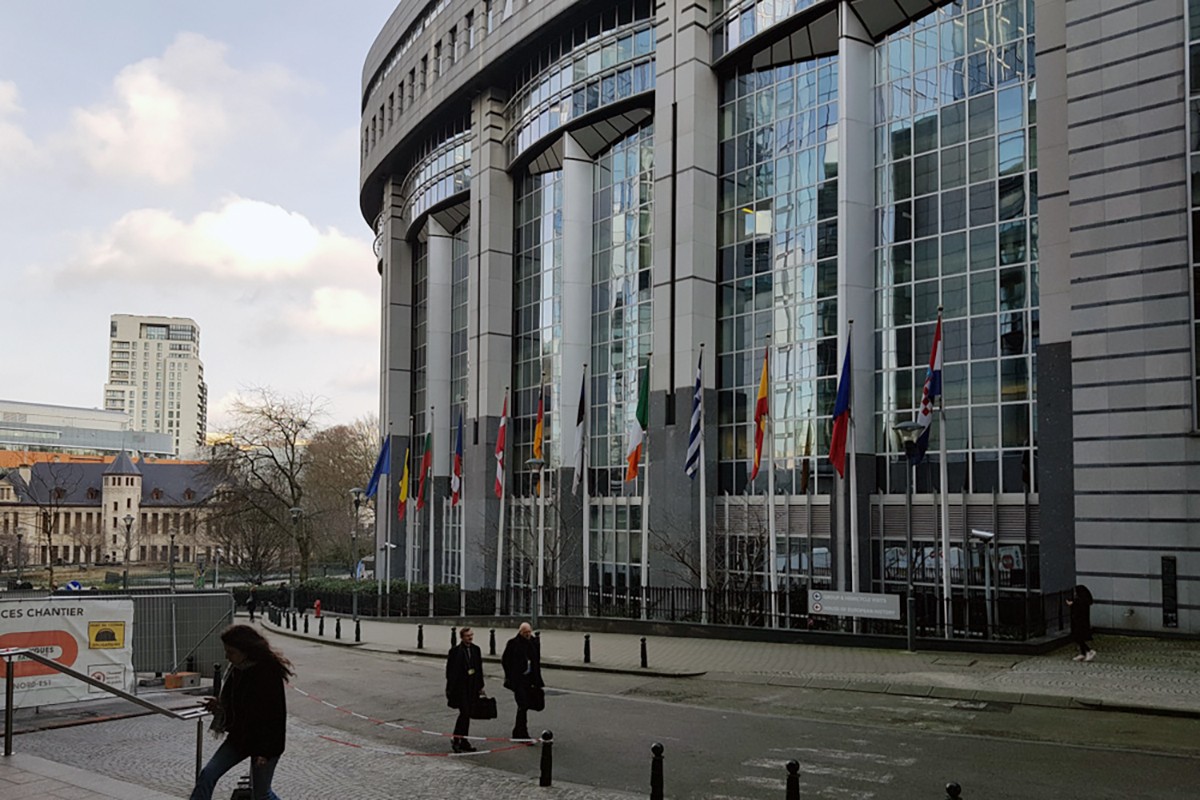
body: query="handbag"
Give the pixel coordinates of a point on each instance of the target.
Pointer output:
(537, 698)
(483, 708)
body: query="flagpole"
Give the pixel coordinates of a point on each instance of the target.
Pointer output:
(387, 530)
(587, 501)
(408, 543)
(455, 468)
(771, 533)
(500, 528)
(703, 505)
(947, 597)
(853, 473)
(431, 428)
(646, 494)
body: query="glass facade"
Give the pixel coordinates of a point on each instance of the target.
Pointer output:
(736, 21)
(1193, 72)
(778, 269)
(956, 202)
(443, 170)
(418, 553)
(622, 323)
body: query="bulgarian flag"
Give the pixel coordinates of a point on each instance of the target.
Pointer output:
(762, 410)
(637, 429)
(402, 501)
(426, 468)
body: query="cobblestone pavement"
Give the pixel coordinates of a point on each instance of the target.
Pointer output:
(160, 753)
(28, 777)
(1130, 672)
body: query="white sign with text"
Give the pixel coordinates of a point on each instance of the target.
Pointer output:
(854, 604)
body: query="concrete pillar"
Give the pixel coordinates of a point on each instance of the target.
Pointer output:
(489, 333)
(437, 339)
(578, 176)
(856, 256)
(685, 270)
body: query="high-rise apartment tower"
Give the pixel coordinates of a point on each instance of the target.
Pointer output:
(156, 376)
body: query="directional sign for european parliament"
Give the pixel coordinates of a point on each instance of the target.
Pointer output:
(854, 604)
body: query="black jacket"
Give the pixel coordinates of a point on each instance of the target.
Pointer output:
(462, 685)
(255, 710)
(518, 654)
(1081, 613)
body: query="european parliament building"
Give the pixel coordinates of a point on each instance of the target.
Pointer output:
(565, 191)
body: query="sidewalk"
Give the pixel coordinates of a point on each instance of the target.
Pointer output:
(26, 777)
(1130, 674)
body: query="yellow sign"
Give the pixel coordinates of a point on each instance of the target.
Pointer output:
(106, 635)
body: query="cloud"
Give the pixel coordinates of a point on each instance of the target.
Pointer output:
(339, 310)
(16, 148)
(169, 115)
(243, 241)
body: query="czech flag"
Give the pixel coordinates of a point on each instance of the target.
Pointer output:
(841, 417)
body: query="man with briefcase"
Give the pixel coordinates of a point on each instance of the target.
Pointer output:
(464, 688)
(522, 662)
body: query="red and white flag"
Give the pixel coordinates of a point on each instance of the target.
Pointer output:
(500, 448)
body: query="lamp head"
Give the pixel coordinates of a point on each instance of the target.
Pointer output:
(908, 431)
(296, 513)
(128, 520)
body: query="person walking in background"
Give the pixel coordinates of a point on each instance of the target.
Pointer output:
(522, 662)
(464, 683)
(1080, 605)
(251, 712)
(252, 603)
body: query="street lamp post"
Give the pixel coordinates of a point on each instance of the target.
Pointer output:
(357, 494)
(988, 538)
(296, 513)
(20, 553)
(217, 569)
(171, 557)
(540, 466)
(908, 432)
(128, 520)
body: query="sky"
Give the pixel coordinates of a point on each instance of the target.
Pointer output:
(187, 159)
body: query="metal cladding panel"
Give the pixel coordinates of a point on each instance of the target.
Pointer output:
(199, 619)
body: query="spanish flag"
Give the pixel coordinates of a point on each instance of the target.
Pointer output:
(540, 429)
(761, 411)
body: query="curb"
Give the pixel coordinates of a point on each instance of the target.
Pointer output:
(308, 637)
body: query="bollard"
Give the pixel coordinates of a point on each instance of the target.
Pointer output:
(420, 637)
(645, 662)
(793, 780)
(656, 772)
(453, 636)
(320, 625)
(337, 628)
(492, 643)
(587, 648)
(216, 680)
(953, 791)
(547, 758)
(357, 631)
(306, 623)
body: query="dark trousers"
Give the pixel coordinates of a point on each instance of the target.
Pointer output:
(1082, 642)
(521, 724)
(462, 725)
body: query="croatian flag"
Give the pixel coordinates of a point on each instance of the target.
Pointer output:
(456, 473)
(931, 393)
(841, 417)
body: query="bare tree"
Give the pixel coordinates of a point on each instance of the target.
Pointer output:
(341, 458)
(261, 465)
(46, 489)
(255, 547)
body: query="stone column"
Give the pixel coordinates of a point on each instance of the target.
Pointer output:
(856, 274)
(437, 375)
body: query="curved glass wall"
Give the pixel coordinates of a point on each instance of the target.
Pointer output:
(778, 269)
(602, 61)
(420, 399)
(443, 170)
(956, 199)
(622, 325)
(452, 531)
(736, 21)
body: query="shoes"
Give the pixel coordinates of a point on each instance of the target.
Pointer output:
(1091, 654)
(516, 734)
(1078, 657)
(462, 746)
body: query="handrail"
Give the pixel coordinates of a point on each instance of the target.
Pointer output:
(10, 654)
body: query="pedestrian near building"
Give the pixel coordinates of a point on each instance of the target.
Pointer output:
(464, 684)
(251, 712)
(522, 662)
(1080, 605)
(252, 603)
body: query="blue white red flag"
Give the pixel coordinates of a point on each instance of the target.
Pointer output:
(929, 395)
(456, 473)
(841, 417)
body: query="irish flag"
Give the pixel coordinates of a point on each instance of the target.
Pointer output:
(637, 429)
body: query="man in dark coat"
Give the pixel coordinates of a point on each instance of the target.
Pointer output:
(252, 603)
(464, 683)
(1080, 605)
(522, 662)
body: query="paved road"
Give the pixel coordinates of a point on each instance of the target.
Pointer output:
(726, 737)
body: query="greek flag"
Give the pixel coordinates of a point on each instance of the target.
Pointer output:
(696, 433)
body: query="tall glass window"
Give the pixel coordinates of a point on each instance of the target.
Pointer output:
(956, 202)
(1193, 70)
(622, 247)
(420, 274)
(778, 268)
(452, 529)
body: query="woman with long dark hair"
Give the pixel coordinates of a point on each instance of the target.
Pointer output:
(251, 712)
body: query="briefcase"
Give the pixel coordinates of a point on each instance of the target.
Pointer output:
(243, 790)
(537, 699)
(483, 708)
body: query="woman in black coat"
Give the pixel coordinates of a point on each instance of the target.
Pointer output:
(251, 712)
(464, 683)
(1080, 605)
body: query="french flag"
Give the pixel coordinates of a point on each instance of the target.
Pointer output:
(931, 393)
